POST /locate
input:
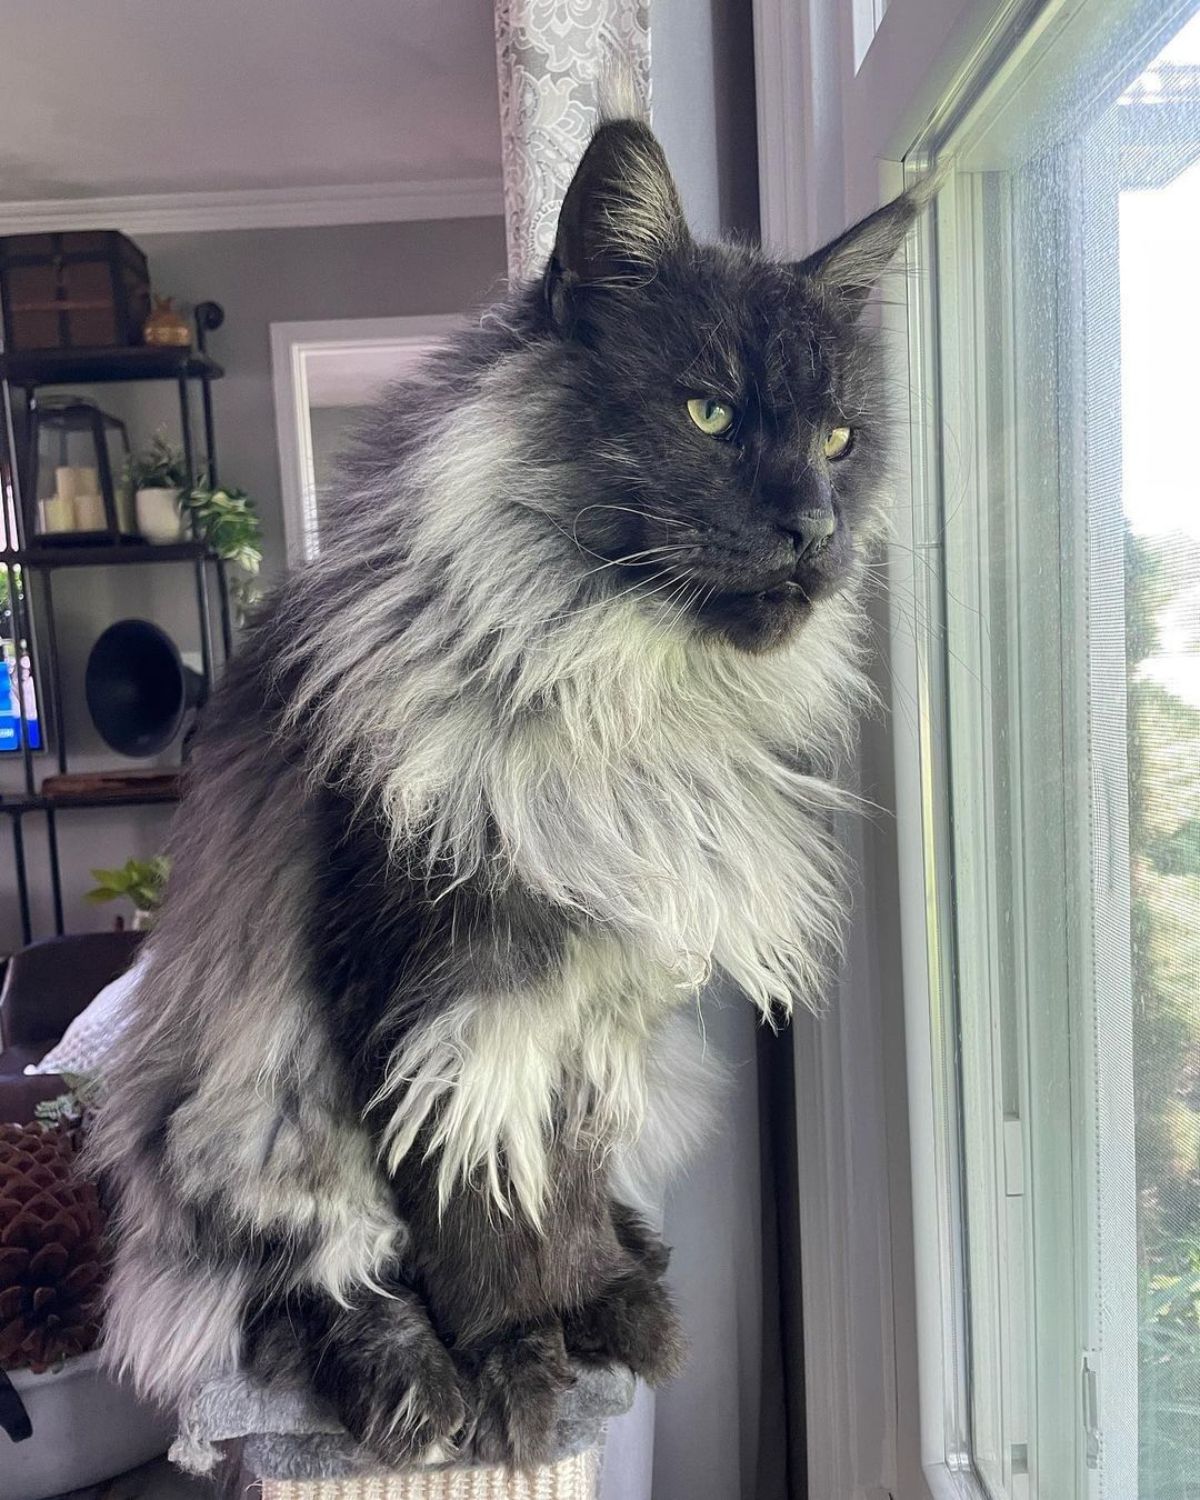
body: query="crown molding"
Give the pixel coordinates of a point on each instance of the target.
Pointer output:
(261, 208)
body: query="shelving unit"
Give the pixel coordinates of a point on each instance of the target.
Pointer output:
(24, 374)
(102, 366)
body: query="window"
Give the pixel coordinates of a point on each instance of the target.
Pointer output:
(1053, 615)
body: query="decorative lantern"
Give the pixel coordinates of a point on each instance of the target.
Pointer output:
(76, 471)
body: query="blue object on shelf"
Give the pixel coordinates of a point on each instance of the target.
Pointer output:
(10, 712)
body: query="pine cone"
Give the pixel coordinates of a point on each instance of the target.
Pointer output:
(51, 1257)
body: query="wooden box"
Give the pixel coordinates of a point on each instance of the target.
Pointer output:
(82, 289)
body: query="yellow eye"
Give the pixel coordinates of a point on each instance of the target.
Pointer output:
(838, 442)
(711, 416)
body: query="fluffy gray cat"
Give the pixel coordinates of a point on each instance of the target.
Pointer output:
(539, 742)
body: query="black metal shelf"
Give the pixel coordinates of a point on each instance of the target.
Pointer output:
(101, 366)
(109, 554)
(190, 370)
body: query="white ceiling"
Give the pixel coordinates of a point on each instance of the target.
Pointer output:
(232, 99)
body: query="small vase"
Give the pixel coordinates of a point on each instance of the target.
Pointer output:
(166, 326)
(143, 921)
(158, 515)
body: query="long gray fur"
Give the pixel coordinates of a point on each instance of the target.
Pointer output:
(541, 740)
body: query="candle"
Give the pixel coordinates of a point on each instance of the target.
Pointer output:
(87, 481)
(89, 513)
(58, 514)
(64, 478)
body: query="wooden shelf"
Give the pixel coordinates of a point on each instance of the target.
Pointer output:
(100, 366)
(107, 555)
(18, 804)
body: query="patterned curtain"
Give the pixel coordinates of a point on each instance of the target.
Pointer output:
(551, 55)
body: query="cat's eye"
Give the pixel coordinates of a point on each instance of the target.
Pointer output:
(838, 442)
(712, 417)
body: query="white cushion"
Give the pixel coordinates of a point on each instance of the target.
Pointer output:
(94, 1030)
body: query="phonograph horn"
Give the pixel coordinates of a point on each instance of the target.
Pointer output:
(138, 688)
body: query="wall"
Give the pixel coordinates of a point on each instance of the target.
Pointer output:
(262, 277)
(703, 109)
(259, 277)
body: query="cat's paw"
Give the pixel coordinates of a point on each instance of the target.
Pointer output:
(409, 1411)
(632, 1322)
(518, 1385)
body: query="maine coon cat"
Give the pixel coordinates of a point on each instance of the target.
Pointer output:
(539, 742)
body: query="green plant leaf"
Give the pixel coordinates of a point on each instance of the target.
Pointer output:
(141, 881)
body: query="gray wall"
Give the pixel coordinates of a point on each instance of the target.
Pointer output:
(704, 110)
(259, 277)
(262, 277)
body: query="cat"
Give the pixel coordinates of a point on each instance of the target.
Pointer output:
(542, 739)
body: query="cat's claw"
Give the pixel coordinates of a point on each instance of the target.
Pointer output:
(416, 1416)
(519, 1385)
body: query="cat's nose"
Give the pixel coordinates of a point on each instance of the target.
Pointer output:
(810, 531)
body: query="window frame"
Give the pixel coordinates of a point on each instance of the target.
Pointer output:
(1082, 1352)
(877, 113)
(1004, 1155)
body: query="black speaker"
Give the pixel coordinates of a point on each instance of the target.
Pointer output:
(138, 689)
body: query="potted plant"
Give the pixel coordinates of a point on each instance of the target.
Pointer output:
(158, 475)
(141, 881)
(226, 520)
(65, 1422)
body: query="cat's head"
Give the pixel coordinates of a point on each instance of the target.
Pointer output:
(730, 406)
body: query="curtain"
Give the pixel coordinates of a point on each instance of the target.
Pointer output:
(551, 54)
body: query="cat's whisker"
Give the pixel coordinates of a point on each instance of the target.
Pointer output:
(632, 557)
(645, 515)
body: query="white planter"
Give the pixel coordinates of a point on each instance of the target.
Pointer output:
(87, 1427)
(158, 515)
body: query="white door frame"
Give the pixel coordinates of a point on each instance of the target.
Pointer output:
(295, 350)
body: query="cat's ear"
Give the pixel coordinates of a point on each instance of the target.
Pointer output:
(620, 216)
(853, 263)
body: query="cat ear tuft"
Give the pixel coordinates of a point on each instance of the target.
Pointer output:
(620, 216)
(852, 264)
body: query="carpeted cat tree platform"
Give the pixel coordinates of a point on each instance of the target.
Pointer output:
(280, 1443)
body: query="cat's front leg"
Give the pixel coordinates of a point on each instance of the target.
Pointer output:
(517, 1383)
(631, 1319)
(379, 1364)
(636, 1236)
